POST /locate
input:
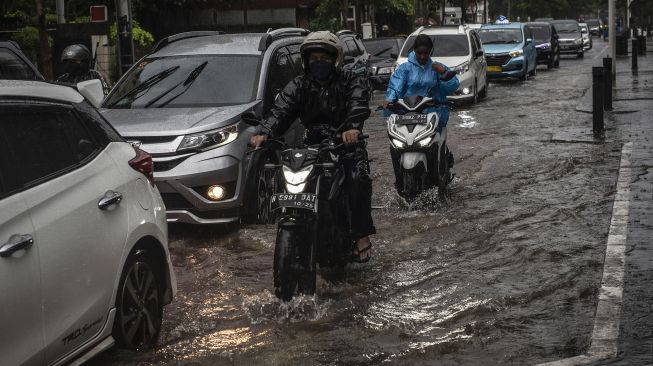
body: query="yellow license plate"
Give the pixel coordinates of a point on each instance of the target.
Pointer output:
(494, 68)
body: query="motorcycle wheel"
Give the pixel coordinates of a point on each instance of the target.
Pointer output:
(286, 279)
(444, 171)
(414, 182)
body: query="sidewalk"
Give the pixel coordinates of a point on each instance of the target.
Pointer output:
(633, 97)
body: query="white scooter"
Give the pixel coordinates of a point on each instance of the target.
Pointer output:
(420, 156)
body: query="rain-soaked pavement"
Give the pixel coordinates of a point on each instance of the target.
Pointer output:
(506, 270)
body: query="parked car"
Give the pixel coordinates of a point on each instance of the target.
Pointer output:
(509, 50)
(458, 47)
(546, 44)
(595, 26)
(356, 58)
(15, 65)
(383, 55)
(184, 102)
(587, 39)
(84, 255)
(571, 39)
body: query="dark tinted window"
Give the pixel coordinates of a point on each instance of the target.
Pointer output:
(40, 141)
(567, 27)
(444, 45)
(296, 59)
(359, 46)
(13, 67)
(350, 48)
(188, 81)
(540, 32)
(382, 47)
(280, 73)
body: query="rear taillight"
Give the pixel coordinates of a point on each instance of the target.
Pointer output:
(142, 163)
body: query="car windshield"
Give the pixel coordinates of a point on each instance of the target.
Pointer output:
(593, 23)
(12, 67)
(569, 27)
(540, 33)
(444, 45)
(500, 35)
(188, 81)
(381, 47)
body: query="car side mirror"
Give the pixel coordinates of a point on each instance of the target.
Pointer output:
(349, 59)
(393, 55)
(529, 40)
(250, 118)
(92, 90)
(479, 53)
(556, 36)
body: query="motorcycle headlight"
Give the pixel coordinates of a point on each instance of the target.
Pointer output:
(209, 140)
(462, 68)
(294, 189)
(516, 53)
(385, 70)
(295, 178)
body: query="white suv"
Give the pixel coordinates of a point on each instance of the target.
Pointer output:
(459, 47)
(84, 252)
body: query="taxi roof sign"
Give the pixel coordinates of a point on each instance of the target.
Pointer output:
(502, 20)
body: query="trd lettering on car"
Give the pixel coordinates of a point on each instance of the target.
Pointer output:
(79, 331)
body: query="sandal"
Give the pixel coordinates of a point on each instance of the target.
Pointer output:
(356, 254)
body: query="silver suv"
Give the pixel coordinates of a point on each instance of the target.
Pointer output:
(459, 47)
(184, 103)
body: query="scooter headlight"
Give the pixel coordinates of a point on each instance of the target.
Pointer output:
(296, 178)
(398, 144)
(425, 142)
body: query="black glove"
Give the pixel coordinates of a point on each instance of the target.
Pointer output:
(448, 75)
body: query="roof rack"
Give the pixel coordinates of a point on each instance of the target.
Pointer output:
(272, 35)
(178, 37)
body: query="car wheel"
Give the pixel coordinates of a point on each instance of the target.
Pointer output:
(525, 76)
(534, 72)
(139, 305)
(556, 64)
(580, 55)
(475, 97)
(483, 94)
(551, 63)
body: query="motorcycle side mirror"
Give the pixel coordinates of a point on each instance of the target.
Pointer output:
(250, 118)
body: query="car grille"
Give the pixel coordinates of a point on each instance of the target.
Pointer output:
(497, 60)
(175, 201)
(162, 166)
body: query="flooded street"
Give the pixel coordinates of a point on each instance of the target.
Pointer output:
(505, 270)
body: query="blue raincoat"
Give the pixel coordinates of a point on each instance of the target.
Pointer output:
(411, 78)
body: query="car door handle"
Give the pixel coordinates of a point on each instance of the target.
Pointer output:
(16, 242)
(110, 198)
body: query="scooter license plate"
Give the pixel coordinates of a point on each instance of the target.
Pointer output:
(412, 119)
(300, 200)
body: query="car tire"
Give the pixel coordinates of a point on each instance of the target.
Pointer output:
(483, 93)
(139, 303)
(556, 63)
(475, 97)
(551, 63)
(534, 72)
(525, 76)
(580, 55)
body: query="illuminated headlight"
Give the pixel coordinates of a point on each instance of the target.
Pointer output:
(298, 188)
(398, 144)
(425, 142)
(545, 45)
(215, 193)
(578, 41)
(462, 68)
(295, 178)
(209, 140)
(516, 53)
(466, 91)
(385, 70)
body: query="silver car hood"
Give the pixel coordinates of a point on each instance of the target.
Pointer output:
(172, 121)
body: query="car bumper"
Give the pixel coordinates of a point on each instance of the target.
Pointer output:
(571, 49)
(515, 67)
(183, 181)
(544, 55)
(466, 85)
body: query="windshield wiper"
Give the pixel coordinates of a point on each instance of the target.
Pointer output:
(192, 76)
(148, 83)
(382, 51)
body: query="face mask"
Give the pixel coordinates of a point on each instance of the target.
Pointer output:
(321, 69)
(74, 68)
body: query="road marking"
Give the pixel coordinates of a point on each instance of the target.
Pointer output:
(600, 53)
(608, 309)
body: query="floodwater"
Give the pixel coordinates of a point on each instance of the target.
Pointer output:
(504, 270)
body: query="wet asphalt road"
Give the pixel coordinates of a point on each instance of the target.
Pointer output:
(505, 270)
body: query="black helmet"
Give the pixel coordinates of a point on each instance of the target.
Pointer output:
(77, 52)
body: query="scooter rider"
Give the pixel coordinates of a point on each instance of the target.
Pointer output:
(421, 76)
(325, 97)
(77, 64)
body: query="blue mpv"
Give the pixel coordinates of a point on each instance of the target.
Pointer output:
(509, 50)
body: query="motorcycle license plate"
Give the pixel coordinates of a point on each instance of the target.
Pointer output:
(412, 119)
(494, 68)
(300, 200)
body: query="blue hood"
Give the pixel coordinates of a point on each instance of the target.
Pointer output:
(413, 59)
(502, 48)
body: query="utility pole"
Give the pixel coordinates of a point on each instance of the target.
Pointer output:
(45, 53)
(61, 12)
(484, 11)
(125, 40)
(612, 37)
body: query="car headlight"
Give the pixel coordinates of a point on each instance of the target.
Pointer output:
(209, 140)
(398, 144)
(425, 142)
(385, 70)
(516, 53)
(295, 178)
(545, 45)
(462, 68)
(578, 41)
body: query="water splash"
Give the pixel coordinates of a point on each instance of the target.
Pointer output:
(265, 307)
(468, 121)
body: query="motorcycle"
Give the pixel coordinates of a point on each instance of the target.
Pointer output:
(314, 218)
(418, 147)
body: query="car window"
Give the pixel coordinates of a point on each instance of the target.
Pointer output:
(382, 48)
(527, 33)
(477, 40)
(350, 48)
(473, 43)
(501, 35)
(41, 142)
(296, 59)
(444, 45)
(567, 27)
(540, 33)
(13, 67)
(281, 71)
(359, 46)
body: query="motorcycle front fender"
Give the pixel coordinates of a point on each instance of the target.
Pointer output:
(410, 159)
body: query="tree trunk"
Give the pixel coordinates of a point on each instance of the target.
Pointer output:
(45, 53)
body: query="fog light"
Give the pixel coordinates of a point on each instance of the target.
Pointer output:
(466, 91)
(215, 193)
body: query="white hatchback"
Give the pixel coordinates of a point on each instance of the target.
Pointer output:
(84, 255)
